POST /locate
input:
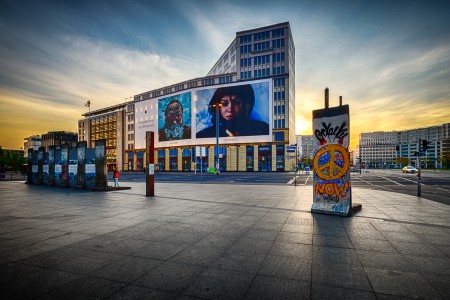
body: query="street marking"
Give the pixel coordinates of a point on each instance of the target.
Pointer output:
(307, 178)
(391, 180)
(415, 181)
(383, 187)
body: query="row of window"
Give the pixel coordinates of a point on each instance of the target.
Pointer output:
(261, 73)
(245, 38)
(279, 124)
(278, 70)
(246, 62)
(279, 136)
(246, 75)
(225, 79)
(279, 109)
(279, 82)
(261, 60)
(208, 81)
(278, 57)
(279, 95)
(278, 32)
(263, 46)
(246, 49)
(278, 43)
(259, 36)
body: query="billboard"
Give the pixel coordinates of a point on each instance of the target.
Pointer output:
(243, 112)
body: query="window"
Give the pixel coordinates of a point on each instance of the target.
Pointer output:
(279, 136)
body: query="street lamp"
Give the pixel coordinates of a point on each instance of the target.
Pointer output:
(88, 105)
(217, 105)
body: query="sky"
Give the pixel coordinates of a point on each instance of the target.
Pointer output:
(389, 60)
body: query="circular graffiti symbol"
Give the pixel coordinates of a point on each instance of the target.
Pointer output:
(331, 162)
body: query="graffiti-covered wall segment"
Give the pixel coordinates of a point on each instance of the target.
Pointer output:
(331, 163)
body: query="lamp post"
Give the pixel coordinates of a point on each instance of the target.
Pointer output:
(88, 104)
(217, 105)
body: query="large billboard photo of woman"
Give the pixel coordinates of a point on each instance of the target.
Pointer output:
(238, 110)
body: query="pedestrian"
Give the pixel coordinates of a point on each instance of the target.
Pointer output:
(116, 176)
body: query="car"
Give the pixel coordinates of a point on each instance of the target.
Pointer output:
(409, 169)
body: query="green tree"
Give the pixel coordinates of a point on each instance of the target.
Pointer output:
(403, 161)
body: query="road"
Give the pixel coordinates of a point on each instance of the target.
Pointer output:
(435, 185)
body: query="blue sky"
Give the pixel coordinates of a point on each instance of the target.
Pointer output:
(390, 60)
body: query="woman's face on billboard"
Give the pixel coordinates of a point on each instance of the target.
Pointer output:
(231, 107)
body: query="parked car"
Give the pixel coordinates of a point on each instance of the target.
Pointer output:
(409, 169)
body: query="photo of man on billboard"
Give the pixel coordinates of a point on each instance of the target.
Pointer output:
(235, 106)
(174, 118)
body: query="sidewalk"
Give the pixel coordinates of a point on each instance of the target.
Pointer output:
(213, 241)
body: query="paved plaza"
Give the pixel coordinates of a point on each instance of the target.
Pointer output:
(218, 241)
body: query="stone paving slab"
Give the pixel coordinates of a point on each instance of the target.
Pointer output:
(219, 241)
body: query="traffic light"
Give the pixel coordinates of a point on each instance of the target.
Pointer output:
(425, 145)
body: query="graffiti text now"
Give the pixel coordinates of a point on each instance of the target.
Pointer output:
(331, 189)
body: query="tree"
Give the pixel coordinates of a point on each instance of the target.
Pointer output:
(403, 161)
(306, 160)
(445, 160)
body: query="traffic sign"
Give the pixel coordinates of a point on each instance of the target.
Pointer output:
(291, 148)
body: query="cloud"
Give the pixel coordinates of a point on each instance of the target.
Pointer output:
(79, 69)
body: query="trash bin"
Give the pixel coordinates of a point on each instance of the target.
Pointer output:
(307, 170)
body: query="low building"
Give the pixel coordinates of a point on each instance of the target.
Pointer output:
(59, 138)
(33, 141)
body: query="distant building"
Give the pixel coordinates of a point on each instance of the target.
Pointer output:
(107, 124)
(377, 149)
(58, 138)
(381, 149)
(33, 141)
(305, 146)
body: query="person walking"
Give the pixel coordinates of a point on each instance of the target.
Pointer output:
(116, 176)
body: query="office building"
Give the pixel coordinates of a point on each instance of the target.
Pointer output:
(383, 149)
(106, 124)
(261, 60)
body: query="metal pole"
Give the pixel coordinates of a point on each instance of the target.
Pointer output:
(295, 167)
(419, 190)
(217, 139)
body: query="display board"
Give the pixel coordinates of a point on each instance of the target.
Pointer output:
(81, 164)
(51, 165)
(73, 167)
(101, 180)
(189, 118)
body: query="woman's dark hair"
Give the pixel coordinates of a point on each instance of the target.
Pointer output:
(244, 92)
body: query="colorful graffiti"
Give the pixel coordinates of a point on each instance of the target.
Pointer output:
(331, 162)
